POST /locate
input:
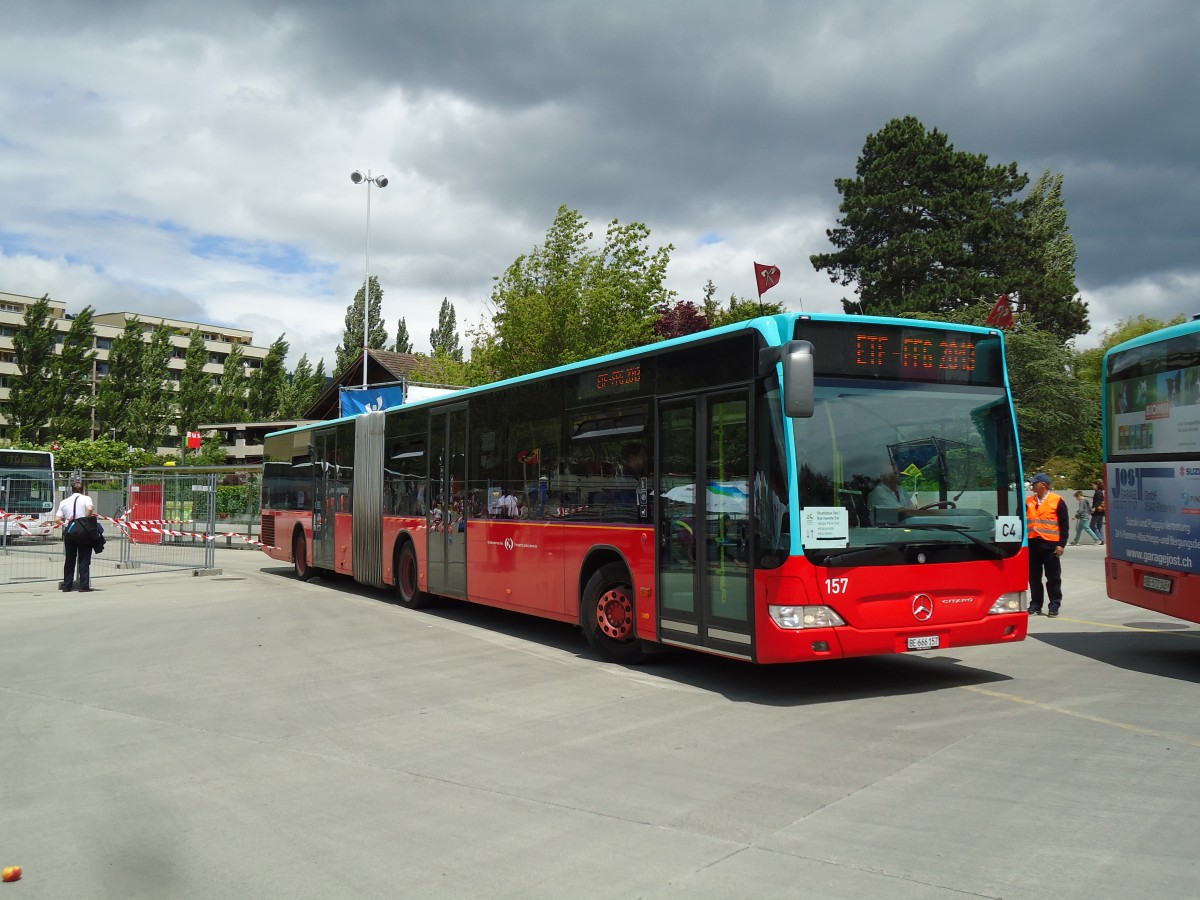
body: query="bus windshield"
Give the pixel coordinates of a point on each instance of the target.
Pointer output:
(27, 482)
(897, 472)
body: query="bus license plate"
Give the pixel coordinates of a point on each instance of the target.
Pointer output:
(1157, 584)
(925, 642)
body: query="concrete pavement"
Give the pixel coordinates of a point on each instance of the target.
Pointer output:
(247, 735)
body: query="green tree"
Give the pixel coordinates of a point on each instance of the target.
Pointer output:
(352, 338)
(72, 379)
(304, 385)
(924, 228)
(444, 338)
(1056, 410)
(403, 341)
(269, 384)
(153, 402)
(31, 395)
(195, 388)
(1091, 361)
(229, 404)
(562, 302)
(120, 386)
(741, 308)
(1043, 277)
(100, 455)
(442, 368)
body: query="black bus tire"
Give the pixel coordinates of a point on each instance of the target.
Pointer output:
(300, 558)
(607, 613)
(408, 579)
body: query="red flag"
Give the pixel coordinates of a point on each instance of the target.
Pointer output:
(1001, 314)
(193, 440)
(767, 277)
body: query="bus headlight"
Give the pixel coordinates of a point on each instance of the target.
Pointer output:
(805, 616)
(1013, 601)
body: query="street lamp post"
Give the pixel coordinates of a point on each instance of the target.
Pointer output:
(379, 181)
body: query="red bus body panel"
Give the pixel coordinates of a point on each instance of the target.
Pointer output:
(1125, 582)
(877, 604)
(533, 567)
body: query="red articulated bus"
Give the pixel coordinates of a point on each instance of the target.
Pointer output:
(796, 487)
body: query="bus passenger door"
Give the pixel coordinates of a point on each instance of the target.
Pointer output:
(447, 511)
(325, 498)
(703, 471)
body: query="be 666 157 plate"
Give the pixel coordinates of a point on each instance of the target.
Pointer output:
(924, 642)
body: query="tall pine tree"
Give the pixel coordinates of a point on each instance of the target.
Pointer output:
(154, 400)
(403, 341)
(72, 380)
(268, 385)
(352, 338)
(31, 397)
(229, 404)
(120, 386)
(924, 228)
(195, 388)
(444, 338)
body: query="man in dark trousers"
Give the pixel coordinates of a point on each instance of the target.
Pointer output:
(1049, 531)
(78, 546)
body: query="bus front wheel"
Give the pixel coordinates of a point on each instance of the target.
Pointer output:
(300, 558)
(607, 615)
(408, 579)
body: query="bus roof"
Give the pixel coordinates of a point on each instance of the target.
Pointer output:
(777, 329)
(1154, 337)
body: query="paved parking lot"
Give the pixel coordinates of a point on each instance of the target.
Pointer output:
(246, 735)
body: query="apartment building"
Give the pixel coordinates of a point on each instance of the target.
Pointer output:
(219, 340)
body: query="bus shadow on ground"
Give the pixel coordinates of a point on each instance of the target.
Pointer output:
(1169, 651)
(792, 684)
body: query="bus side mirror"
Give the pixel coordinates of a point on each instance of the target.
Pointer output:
(798, 399)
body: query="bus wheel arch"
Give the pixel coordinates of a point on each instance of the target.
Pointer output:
(408, 575)
(608, 609)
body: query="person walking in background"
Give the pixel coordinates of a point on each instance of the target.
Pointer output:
(1083, 519)
(1049, 529)
(77, 542)
(1098, 510)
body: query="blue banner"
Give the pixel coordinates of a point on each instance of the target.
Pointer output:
(371, 399)
(1154, 514)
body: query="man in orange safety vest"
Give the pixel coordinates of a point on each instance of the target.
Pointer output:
(1049, 530)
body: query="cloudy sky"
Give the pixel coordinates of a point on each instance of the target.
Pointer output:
(193, 159)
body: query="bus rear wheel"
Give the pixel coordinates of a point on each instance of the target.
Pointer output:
(300, 558)
(607, 614)
(408, 579)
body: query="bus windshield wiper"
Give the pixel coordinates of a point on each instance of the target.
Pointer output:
(847, 558)
(957, 529)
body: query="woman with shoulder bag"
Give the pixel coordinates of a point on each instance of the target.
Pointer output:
(78, 538)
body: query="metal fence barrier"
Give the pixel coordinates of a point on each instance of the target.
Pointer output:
(153, 521)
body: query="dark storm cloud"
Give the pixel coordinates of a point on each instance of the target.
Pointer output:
(670, 110)
(700, 119)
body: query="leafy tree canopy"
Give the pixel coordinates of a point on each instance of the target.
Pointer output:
(1091, 361)
(564, 302)
(929, 229)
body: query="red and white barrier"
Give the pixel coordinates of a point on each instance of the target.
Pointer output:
(147, 526)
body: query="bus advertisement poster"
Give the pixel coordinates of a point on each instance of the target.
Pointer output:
(1154, 515)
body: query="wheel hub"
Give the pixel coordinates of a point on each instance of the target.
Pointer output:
(614, 615)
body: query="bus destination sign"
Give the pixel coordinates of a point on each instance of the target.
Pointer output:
(903, 352)
(626, 379)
